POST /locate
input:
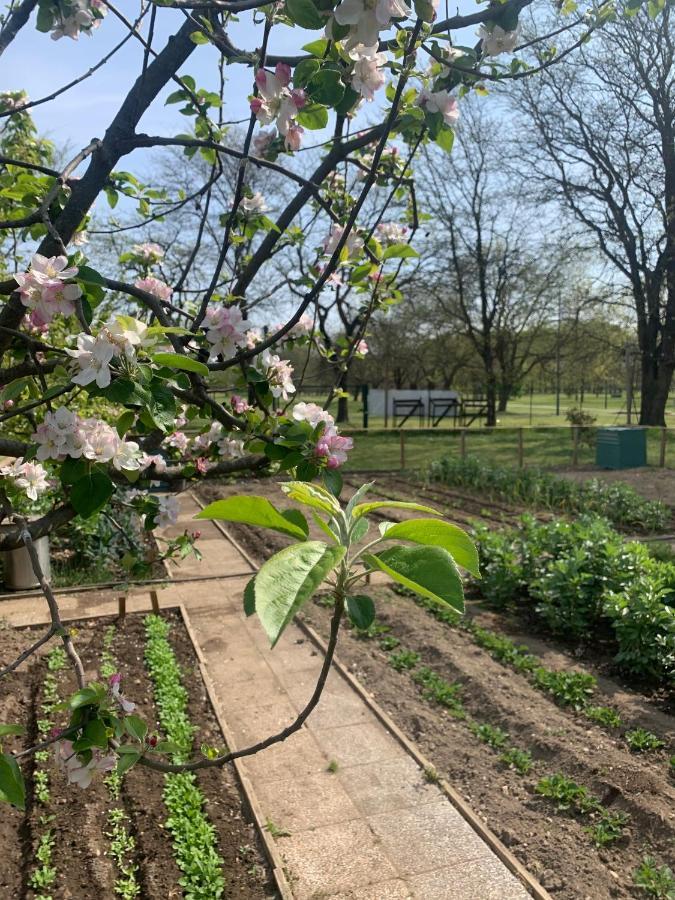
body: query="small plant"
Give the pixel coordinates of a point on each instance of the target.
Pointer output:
(491, 735)
(431, 776)
(641, 741)
(404, 660)
(45, 874)
(122, 849)
(608, 828)
(41, 782)
(520, 760)
(603, 715)
(375, 629)
(567, 794)
(276, 831)
(657, 881)
(332, 766)
(389, 643)
(568, 688)
(440, 691)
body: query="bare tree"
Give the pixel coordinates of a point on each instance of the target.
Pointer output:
(599, 137)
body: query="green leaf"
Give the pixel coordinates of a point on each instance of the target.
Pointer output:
(304, 71)
(326, 87)
(72, 470)
(252, 510)
(362, 509)
(6, 730)
(305, 14)
(97, 734)
(127, 760)
(359, 530)
(288, 580)
(91, 276)
(162, 406)
(313, 116)
(446, 139)
(249, 597)
(91, 493)
(311, 495)
(12, 788)
(361, 611)
(437, 533)
(400, 251)
(333, 481)
(429, 571)
(178, 361)
(136, 727)
(85, 697)
(198, 37)
(167, 747)
(316, 48)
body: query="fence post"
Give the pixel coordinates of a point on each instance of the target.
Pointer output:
(520, 449)
(575, 445)
(364, 397)
(662, 448)
(386, 407)
(462, 443)
(401, 437)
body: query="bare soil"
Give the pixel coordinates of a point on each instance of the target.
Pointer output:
(552, 844)
(84, 870)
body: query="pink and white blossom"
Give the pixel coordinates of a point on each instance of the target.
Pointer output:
(169, 508)
(277, 102)
(239, 405)
(367, 75)
(497, 40)
(278, 373)
(63, 433)
(230, 448)
(83, 16)
(76, 771)
(93, 357)
(115, 682)
(224, 332)
(361, 348)
(155, 286)
(253, 336)
(312, 413)
(439, 102)
(354, 243)
(154, 459)
(30, 477)
(148, 251)
(178, 440)
(333, 447)
(44, 288)
(392, 232)
(254, 205)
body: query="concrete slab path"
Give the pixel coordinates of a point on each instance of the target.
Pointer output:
(360, 822)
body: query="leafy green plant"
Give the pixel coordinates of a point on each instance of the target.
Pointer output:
(45, 874)
(520, 760)
(491, 735)
(657, 881)
(603, 715)
(617, 502)
(403, 660)
(643, 619)
(438, 690)
(421, 554)
(389, 643)
(641, 741)
(567, 794)
(122, 849)
(193, 836)
(568, 688)
(608, 828)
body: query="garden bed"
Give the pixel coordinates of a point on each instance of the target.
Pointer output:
(119, 839)
(611, 806)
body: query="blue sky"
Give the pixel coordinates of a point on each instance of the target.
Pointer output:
(39, 65)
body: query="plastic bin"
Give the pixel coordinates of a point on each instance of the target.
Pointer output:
(621, 448)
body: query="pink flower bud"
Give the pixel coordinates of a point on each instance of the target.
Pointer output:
(152, 741)
(261, 78)
(299, 97)
(114, 679)
(9, 404)
(196, 535)
(256, 105)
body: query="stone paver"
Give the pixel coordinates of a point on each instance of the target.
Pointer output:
(372, 829)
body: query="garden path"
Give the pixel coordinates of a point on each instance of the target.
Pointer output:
(353, 816)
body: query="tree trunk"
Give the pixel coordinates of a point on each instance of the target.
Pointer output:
(491, 400)
(654, 395)
(504, 395)
(342, 410)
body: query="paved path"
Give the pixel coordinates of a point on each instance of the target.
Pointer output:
(373, 829)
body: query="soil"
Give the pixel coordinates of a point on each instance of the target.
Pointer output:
(552, 844)
(84, 870)
(652, 483)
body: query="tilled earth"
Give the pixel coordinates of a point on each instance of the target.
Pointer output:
(84, 869)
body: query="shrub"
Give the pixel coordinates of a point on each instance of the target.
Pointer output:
(568, 688)
(617, 502)
(644, 626)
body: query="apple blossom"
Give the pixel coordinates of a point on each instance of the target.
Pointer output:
(168, 511)
(392, 232)
(293, 137)
(367, 75)
(439, 102)
(333, 447)
(239, 405)
(223, 330)
(82, 15)
(149, 252)
(353, 245)
(255, 204)
(127, 334)
(362, 348)
(75, 770)
(155, 286)
(278, 373)
(60, 434)
(367, 18)
(93, 356)
(276, 102)
(230, 448)
(155, 460)
(178, 440)
(28, 476)
(312, 413)
(125, 705)
(204, 441)
(253, 336)
(43, 288)
(496, 40)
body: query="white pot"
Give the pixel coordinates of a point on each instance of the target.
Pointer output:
(17, 567)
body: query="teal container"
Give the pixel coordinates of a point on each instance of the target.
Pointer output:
(621, 448)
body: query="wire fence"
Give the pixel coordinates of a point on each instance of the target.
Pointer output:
(380, 450)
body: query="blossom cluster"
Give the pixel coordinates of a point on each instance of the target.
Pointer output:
(224, 330)
(28, 476)
(392, 232)
(122, 337)
(154, 286)
(148, 252)
(45, 288)
(330, 447)
(63, 433)
(278, 373)
(496, 40)
(277, 102)
(71, 17)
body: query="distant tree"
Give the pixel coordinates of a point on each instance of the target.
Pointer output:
(599, 138)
